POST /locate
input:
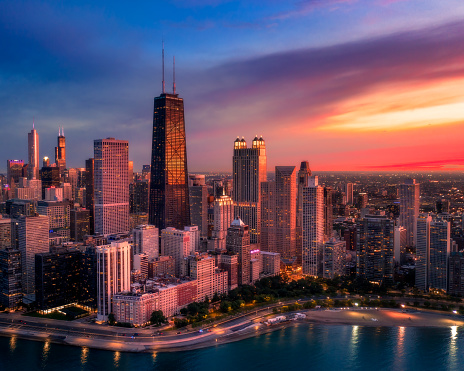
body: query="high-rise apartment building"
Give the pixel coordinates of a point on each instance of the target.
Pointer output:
(146, 241)
(374, 253)
(178, 244)
(223, 210)
(328, 213)
(169, 197)
(334, 257)
(32, 239)
(238, 242)
(58, 214)
(111, 187)
(302, 181)
(313, 227)
(113, 274)
(138, 198)
(89, 192)
(432, 252)
(348, 189)
(5, 233)
(33, 154)
(79, 224)
(278, 213)
(10, 278)
(249, 171)
(50, 177)
(60, 151)
(409, 194)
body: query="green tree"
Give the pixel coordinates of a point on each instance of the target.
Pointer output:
(225, 306)
(111, 319)
(157, 318)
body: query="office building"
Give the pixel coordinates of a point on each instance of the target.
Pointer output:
(169, 196)
(249, 171)
(161, 266)
(348, 189)
(60, 151)
(270, 263)
(14, 171)
(138, 196)
(79, 224)
(111, 187)
(5, 233)
(50, 177)
(58, 214)
(409, 195)
(113, 274)
(229, 264)
(456, 274)
(313, 227)
(33, 154)
(374, 253)
(33, 238)
(328, 213)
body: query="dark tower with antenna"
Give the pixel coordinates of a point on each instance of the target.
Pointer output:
(169, 202)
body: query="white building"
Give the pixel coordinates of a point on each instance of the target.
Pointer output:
(113, 275)
(223, 211)
(146, 240)
(178, 244)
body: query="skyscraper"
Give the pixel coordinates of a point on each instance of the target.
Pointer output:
(113, 274)
(313, 227)
(169, 196)
(278, 213)
(32, 239)
(409, 193)
(111, 187)
(89, 193)
(302, 181)
(14, 170)
(33, 154)
(60, 151)
(238, 242)
(198, 198)
(375, 249)
(249, 171)
(432, 253)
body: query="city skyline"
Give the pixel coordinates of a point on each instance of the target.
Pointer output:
(357, 97)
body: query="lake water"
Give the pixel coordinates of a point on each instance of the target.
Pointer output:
(303, 347)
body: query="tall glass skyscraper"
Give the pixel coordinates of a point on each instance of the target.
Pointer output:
(169, 197)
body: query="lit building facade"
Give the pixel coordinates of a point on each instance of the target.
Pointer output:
(409, 195)
(111, 187)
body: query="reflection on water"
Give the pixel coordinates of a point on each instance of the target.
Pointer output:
(117, 356)
(453, 346)
(84, 355)
(12, 343)
(154, 357)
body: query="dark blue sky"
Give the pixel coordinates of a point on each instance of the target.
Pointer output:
(288, 70)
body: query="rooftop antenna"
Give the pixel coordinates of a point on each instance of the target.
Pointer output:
(174, 75)
(62, 131)
(33, 123)
(164, 90)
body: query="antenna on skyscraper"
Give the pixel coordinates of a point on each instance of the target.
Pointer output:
(62, 131)
(59, 131)
(33, 122)
(174, 74)
(164, 90)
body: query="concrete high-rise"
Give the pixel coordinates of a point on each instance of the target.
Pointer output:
(348, 188)
(223, 211)
(169, 196)
(249, 171)
(32, 239)
(432, 253)
(278, 213)
(313, 227)
(409, 194)
(113, 274)
(89, 192)
(375, 241)
(238, 242)
(198, 199)
(33, 154)
(146, 241)
(111, 186)
(178, 244)
(60, 151)
(302, 181)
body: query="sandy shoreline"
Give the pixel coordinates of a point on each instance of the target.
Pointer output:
(360, 317)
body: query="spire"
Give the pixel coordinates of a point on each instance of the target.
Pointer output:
(59, 131)
(62, 131)
(33, 126)
(164, 90)
(174, 75)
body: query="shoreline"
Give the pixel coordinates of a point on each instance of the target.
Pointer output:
(337, 317)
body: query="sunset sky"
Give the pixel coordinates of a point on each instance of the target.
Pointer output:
(344, 84)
